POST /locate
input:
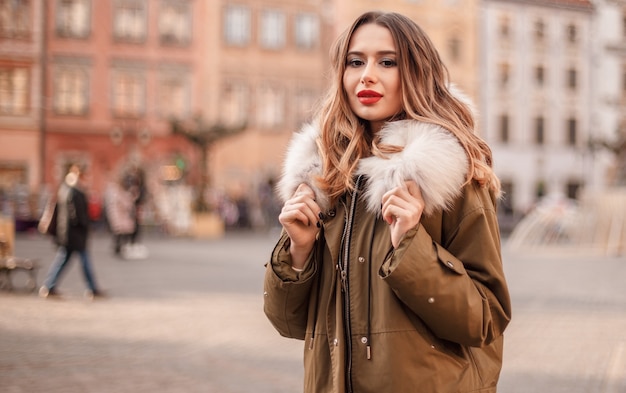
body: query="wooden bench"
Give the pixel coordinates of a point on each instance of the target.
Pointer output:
(17, 274)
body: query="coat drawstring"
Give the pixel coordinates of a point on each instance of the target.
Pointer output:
(319, 258)
(369, 294)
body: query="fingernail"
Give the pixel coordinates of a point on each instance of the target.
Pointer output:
(319, 225)
(321, 215)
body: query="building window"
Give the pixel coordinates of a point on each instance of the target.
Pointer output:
(572, 78)
(307, 31)
(129, 92)
(73, 18)
(71, 90)
(11, 175)
(504, 74)
(539, 131)
(270, 106)
(572, 33)
(572, 132)
(454, 49)
(505, 27)
(540, 30)
(235, 103)
(504, 129)
(130, 21)
(14, 88)
(237, 25)
(175, 22)
(15, 18)
(273, 29)
(174, 93)
(540, 75)
(540, 189)
(573, 188)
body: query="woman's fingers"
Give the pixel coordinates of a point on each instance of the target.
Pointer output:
(303, 200)
(298, 217)
(297, 211)
(301, 207)
(402, 209)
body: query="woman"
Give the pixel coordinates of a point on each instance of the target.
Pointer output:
(389, 263)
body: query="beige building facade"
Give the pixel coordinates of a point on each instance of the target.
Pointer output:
(538, 100)
(268, 71)
(105, 77)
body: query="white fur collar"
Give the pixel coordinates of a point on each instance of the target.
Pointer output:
(432, 157)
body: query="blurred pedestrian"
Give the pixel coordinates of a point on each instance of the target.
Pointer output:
(389, 262)
(71, 234)
(135, 182)
(121, 215)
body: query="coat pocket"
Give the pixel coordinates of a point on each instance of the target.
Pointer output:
(451, 350)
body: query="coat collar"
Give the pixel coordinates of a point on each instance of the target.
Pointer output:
(431, 156)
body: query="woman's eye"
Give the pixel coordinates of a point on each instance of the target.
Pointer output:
(355, 62)
(388, 63)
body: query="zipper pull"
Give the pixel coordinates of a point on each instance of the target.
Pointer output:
(343, 280)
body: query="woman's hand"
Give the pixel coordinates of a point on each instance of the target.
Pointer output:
(300, 218)
(402, 209)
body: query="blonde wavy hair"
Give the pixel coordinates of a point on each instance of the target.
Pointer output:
(426, 97)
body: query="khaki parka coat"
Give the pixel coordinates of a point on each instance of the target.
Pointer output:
(427, 316)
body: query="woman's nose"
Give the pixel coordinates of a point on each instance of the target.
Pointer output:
(368, 76)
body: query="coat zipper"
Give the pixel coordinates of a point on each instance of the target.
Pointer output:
(344, 266)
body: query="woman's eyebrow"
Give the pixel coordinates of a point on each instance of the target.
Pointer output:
(379, 53)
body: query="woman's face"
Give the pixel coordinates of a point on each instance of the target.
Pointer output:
(372, 79)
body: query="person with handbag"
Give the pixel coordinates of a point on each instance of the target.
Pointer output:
(71, 234)
(389, 263)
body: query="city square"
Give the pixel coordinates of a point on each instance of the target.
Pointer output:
(175, 121)
(189, 318)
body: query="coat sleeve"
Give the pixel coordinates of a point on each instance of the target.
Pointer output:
(81, 215)
(459, 290)
(286, 292)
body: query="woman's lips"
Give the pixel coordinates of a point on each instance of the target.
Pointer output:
(369, 97)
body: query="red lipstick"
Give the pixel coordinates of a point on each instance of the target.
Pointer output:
(369, 97)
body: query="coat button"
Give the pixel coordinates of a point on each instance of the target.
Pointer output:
(364, 340)
(331, 213)
(335, 342)
(361, 259)
(431, 300)
(265, 293)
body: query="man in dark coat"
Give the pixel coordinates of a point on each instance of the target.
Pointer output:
(72, 229)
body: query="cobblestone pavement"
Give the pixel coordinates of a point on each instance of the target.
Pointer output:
(189, 319)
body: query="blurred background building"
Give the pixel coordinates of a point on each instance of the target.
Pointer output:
(536, 98)
(102, 83)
